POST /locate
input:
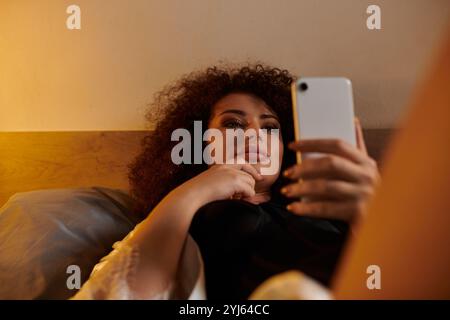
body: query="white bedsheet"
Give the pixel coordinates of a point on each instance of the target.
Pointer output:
(110, 278)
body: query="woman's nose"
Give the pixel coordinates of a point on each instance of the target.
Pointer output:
(257, 130)
(254, 125)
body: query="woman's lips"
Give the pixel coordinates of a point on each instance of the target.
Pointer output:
(256, 157)
(253, 155)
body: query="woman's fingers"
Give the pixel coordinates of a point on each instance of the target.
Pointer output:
(248, 168)
(244, 167)
(327, 209)
(244, 192)
(323, 189)
(247, 178)
(330, 146)
(360, 143)
(338, 184)
(330, 167)
(245, 184)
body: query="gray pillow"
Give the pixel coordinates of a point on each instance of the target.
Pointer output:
(43, 232)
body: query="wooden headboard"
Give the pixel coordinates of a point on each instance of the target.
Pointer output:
(41, 160)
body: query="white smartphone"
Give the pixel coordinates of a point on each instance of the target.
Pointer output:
(323, 109)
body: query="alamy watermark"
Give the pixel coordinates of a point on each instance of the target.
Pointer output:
(73, 281)
(73, 21)
(373, 281)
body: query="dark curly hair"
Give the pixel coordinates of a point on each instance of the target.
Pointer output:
(152, 174)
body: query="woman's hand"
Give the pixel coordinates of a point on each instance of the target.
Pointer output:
(223, 182)
(338, 184)
(162, 235)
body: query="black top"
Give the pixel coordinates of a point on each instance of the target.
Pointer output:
(243, 244)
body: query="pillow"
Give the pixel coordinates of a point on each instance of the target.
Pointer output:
(43, 232)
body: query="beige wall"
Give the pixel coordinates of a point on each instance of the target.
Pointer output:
(102, 76)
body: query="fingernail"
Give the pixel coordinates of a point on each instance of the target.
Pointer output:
(289, 207)
(287, 172)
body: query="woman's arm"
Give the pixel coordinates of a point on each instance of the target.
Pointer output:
(159, 239)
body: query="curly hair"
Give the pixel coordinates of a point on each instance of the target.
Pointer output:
(152, 174)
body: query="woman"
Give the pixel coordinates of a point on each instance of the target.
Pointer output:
(230, 213)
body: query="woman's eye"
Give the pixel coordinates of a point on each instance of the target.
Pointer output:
(234, 125)
(270, 128)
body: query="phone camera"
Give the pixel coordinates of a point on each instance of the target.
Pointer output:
(303, 86)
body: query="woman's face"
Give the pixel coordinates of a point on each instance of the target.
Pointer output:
(246, 111)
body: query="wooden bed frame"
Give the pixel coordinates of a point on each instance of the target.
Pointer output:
(42, 160)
